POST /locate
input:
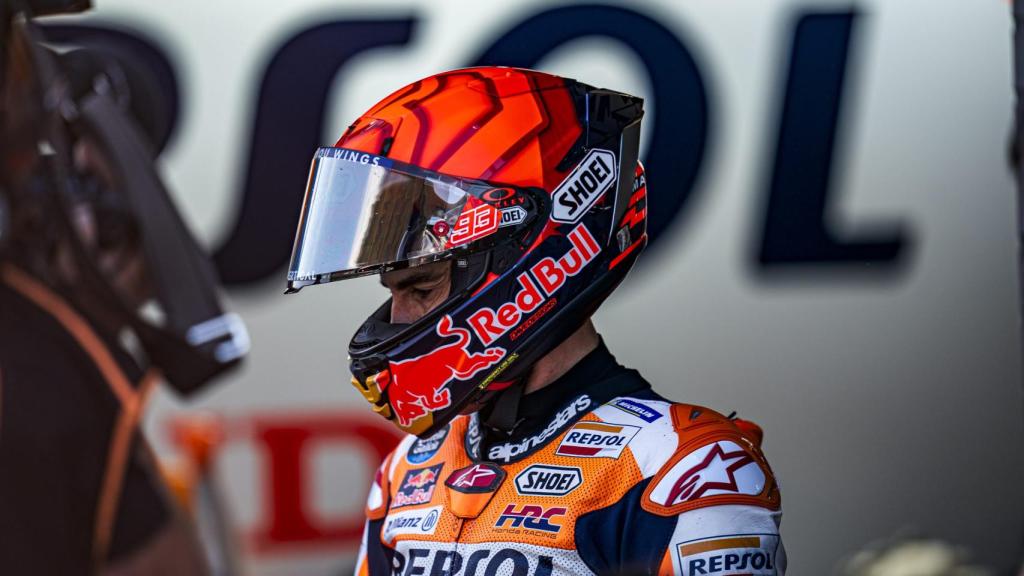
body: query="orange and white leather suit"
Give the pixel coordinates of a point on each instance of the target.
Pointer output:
(600, 476)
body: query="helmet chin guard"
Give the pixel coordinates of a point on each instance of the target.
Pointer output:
(529, 183)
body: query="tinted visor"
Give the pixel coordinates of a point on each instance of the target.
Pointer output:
(365, 214)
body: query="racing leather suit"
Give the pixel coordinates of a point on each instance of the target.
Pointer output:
(599, 476)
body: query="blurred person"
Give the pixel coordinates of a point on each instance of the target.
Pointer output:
(103, 294)
(501, 207)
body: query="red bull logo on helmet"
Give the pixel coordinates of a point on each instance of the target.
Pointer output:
(542, 281)
(418, 386)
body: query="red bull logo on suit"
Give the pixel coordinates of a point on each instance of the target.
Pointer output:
(417, 487)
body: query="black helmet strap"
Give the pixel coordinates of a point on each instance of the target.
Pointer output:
(502, 411)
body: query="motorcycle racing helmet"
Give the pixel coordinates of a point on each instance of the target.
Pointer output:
(529, 183)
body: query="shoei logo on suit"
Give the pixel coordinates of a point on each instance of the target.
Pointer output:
(542, 480)
(596, 440)
(587, 183)
(753, 554)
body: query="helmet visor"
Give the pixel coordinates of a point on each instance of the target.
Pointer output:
(365, 214)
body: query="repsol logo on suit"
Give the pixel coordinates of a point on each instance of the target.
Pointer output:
(752, 554)
(508, 561)
(596, 440)
(756, 562)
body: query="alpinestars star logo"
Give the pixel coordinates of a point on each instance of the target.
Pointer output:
(476, 478)
(717, 471)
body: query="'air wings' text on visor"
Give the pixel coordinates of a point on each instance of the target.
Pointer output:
(363, 213)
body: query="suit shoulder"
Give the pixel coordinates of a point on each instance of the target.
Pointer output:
(647, 425)
(716, 460)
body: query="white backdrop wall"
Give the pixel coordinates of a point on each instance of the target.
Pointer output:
(891, 402)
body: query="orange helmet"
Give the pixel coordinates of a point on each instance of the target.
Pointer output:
(529, 182)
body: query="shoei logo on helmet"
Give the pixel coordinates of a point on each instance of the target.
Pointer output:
(549, 274)
(512, 216)
(588, 182)
(418, 385)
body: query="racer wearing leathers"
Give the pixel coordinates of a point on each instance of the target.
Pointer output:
(500, 207)
(600, 476)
